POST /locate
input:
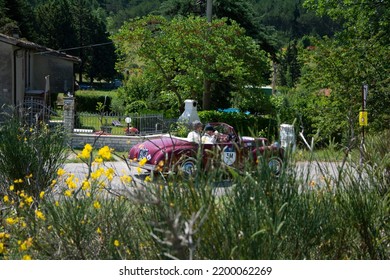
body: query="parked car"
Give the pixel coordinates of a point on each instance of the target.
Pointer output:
(84, 86)
(176, 154)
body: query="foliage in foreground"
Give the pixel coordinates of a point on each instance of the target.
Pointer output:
(344, 214)
(29, 155)
(259, 217)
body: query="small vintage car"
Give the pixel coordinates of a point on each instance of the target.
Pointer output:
(176, 154)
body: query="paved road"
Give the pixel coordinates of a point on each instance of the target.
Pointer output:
(80, 170)
(315, 173)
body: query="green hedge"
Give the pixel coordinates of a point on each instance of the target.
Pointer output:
(87, 100)
(250, 125)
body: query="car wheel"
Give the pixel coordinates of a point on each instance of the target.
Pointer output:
(188, 167)
(275, 165)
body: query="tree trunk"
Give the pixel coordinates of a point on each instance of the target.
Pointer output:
(207, 95)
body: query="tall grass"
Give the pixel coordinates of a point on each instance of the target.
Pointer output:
(342, 214)
(29, 155)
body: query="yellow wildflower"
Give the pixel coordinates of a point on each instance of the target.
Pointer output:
(98, 230)
(96, 174)
(41, 194)
(18, 181)
(29, 200)
(88, 147)
(96, 204)
(110, 173)
(142, 161)
(125, 179)
(29, 176)
(117, 243)
(86, 152)
(40, 215)
(70, 182)
(105, 153)
(148, 179)
(6, 198)
(85, 185)
(2, 249)
(11, 221)
(68, 193)
(53, 183)
(26, 257)
(23, 246)
(4, 235)
(139, 170)
(61, 172)
(57, 203)
(11, 188)
(98, 160)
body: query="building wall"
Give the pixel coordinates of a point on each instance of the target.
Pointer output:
(60, 71)
(6, 74)
(21, 66)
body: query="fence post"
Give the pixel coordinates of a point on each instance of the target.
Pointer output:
(69, 114)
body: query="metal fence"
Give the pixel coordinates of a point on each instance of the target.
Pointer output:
(32, 111)
(116, 124)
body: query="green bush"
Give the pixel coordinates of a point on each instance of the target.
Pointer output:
(243, 124)
(29, 156)
(86, 101)
(377, 155)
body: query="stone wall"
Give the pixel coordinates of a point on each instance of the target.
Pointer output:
(120, 143)
(80, 137)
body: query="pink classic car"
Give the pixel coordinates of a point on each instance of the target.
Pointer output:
(176, 154)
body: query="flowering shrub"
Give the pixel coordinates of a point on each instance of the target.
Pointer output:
(144, 217)
(29, 157)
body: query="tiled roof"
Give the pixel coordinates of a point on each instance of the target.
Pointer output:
(22, 43)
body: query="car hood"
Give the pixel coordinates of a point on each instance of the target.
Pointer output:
(153, 148)
(163, 142)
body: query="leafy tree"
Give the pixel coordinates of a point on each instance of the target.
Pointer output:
(291, 23)
(291, 20)
(240, 11)
(55, 24)
(79, 28)
(341, 65)
(180, 54)
(16, 15)
(119, 11)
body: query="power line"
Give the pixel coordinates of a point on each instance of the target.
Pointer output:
(76, 48)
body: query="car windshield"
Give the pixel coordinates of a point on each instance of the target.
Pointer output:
(224, 129)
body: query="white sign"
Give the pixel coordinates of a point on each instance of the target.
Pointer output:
(229, 155)
(365, 93)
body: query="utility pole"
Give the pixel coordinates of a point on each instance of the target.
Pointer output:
(207, 82)
(363, 120)
(209, 10)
